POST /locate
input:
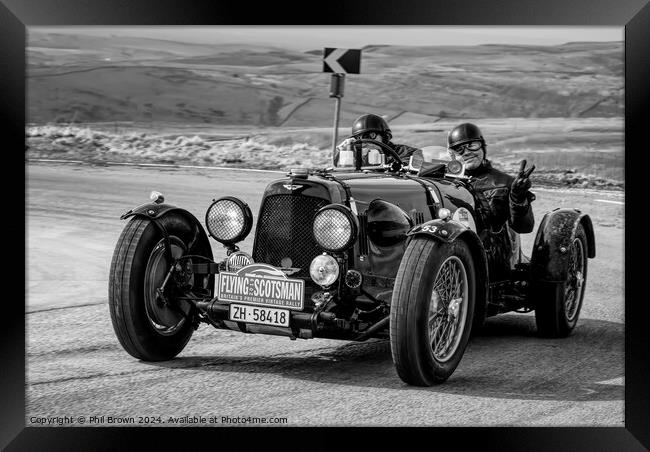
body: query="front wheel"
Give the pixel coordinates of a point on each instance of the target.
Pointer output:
(432, 310)
(150, 324)
(558, 304)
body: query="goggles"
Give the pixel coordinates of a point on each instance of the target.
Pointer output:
(368, 135)
(472, 146)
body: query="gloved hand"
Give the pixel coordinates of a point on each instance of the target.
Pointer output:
(521, 184)
(345, 144)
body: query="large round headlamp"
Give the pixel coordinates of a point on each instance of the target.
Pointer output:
(229, 220)
(335, 228)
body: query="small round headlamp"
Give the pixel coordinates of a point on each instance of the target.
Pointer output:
(229, 220)
(324, 270)
(335, 228)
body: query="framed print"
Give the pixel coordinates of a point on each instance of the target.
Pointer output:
(235, 218)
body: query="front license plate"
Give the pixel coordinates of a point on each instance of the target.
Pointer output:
(256, 314)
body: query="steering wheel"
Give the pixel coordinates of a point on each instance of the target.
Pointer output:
(388, 150)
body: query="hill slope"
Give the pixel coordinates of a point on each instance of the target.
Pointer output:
(88, 79)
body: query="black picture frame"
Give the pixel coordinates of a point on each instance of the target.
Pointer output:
(15, 15)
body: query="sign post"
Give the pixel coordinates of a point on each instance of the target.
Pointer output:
(336, 91)
(339, 62)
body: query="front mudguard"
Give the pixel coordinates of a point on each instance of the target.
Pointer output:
(550, 259)
(448, 231)
(156, 213)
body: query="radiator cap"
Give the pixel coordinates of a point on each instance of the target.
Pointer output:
(299, 173)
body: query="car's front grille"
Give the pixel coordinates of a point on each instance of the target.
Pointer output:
(284, 230)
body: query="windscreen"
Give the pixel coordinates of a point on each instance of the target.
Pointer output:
(371, 156)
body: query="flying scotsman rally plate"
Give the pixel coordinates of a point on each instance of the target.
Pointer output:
(262, 285)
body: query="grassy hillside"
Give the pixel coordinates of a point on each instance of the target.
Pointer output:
(88, 79)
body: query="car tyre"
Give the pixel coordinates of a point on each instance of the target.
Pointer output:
(558, 305)
(147, 328)
(435, 288)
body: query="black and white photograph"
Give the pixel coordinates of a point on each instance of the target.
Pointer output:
(276, 226)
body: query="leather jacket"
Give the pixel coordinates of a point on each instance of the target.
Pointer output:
(495, 207)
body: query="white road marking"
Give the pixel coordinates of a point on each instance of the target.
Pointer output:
(618, 381)
(228, 168)
(158, 165)
(584, 191)
(609, 201)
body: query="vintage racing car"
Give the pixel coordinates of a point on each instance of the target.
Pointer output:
(371, 247)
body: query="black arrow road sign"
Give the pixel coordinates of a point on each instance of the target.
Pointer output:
(341, 61)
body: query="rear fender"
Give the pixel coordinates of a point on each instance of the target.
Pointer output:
(159, 213)
(549, 261)
(450, 231)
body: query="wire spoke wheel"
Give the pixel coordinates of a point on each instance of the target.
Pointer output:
(558, 304)
(164, 315)
(149, 318)
(448, 308)
(575, 279)
(432, 309)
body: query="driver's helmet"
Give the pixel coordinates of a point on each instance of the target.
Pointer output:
(464, 133)
(365, 124)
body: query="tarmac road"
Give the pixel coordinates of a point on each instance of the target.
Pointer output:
(76, 367)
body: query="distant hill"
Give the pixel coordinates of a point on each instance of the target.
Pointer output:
(75, 78)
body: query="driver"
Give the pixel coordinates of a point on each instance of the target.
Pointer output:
(374, 127)
(502, 198)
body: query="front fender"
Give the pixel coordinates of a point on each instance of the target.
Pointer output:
(556, 232)
(153, 210)
(157, 213)
(449, 231)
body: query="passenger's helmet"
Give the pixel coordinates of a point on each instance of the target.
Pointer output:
(371, 123)
(464, 133)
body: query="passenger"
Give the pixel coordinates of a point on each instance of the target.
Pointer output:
(375, 127)
(503, 198)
